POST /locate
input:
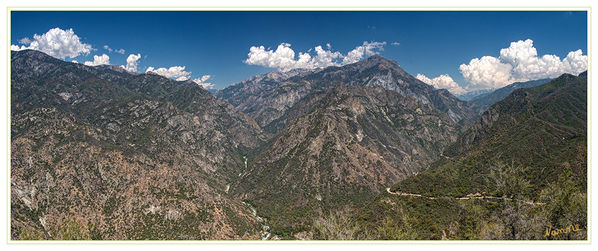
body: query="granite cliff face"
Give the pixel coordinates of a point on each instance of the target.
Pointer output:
(105, 154)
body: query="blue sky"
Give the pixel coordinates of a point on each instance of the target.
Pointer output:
(430, 43)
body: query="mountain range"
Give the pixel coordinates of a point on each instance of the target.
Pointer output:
(101, 153)
(520, 169)
(104, 154)
(485, 100)
(344, 134)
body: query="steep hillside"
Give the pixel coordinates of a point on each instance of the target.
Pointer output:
(534, 126)
(100, 153)
(519, 172)
(341, 147)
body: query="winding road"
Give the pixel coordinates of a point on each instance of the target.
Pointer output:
(468, 197)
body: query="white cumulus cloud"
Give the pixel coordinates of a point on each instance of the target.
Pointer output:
(363, 51)
(325, 58)
(174, 72)
(284, 58)
(25, 40)
(57, 43)
(120, 51)
(179, 73)
(443, 81)
(132, 62)
(486, 73)
(520, 62)
(575, 62)
(203, 82)
(527, 65)
(99, 60)
(17, 48)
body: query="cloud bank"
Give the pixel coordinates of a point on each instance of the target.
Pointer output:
(283, 58)
(178, 73)
(57, 43)
(519, 62)
(99, 60)
(203, 82)
(443, 81)
(175, 72)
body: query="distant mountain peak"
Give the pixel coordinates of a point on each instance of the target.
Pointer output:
(379, 60)
(298, 70)
(485, 100)
(267, 97)
(379, 57)
(31, 54)
(116, 68)
(382, 63)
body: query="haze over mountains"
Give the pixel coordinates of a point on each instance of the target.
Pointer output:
(99, 153)
(468, 96)
(487, 99)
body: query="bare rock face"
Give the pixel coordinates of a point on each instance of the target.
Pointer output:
(99, 153)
